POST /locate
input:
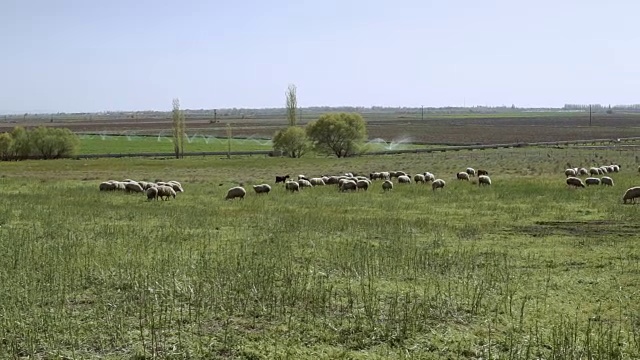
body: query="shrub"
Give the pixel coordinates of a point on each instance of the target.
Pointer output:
(40, 143)
(292, 141)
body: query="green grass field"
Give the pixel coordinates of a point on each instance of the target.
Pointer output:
(523, 269)
(97, 144)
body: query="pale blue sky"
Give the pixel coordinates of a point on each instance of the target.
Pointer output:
(84, 55)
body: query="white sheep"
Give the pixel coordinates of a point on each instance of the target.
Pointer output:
(387, 185)
(107, 186)
(471, 171)
(583, 171)
(631, 194)
(419, 178)
(292, 185)
(404, 179)
(594, 171)
(133, 187)
(235, 192)
(575, 182)
(152, 193)
(462, 176)
(438, 184)
(429, 176)
(262, 188)
(349, 185)
(592, 181)
(165, 191)
(484, 180)
(363, 184)
(317, 181)
(605, 180)
(304, 183)
(569, 172)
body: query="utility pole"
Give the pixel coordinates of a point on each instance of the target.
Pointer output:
(589, 114)
(422, 111)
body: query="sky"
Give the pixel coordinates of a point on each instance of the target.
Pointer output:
(123, 55)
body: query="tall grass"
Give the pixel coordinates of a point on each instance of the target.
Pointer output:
(523, 269)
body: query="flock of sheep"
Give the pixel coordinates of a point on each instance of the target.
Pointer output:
(573, 179)
(153, 190)
(355, 182)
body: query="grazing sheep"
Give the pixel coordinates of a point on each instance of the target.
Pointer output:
(616, 168)
(484, 180)
(375, 176)
(363, 184)
(385, 175)
(302, 177)
(133, 187)
(387, 185)
(235, 192)
(429, 176)
(349, 185)
(174, 182)
(594, 171)
(605, 180)
(281, 179)
(471, 171)
(304, 183)
(152, 193)
(604, 169)
(569, 172)
(316, 181)
(583, 171)
(262, 188)
(332, 180)
(462, 176)
(419, 178)
(165, 191)
(631, 194)
(575, 182)
(107, 186)
(483, 172)
(592, 181)
(404, 179)
(292, 185)
(438, 184)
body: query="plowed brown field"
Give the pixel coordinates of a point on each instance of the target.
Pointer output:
(433, 130)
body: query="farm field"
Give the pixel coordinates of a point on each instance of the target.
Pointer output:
(131, 144)
(457, 129)
(523, 269)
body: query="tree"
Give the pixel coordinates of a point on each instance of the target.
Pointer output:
(292, 141)
(21, 147)
(341, 134)
(6, 143)
(53, 143)
(178, 129)
(292, 104)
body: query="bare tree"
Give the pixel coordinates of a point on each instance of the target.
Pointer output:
(292, 104)
(178, 129)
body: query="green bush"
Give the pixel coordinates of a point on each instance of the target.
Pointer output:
(39, 143)
(292, 141)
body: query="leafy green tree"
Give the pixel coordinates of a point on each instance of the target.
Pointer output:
(53, 143)
(292, 141)
(341, 134)
(6, 144)
(21, 147)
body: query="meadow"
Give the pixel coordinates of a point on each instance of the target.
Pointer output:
(524, 269)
